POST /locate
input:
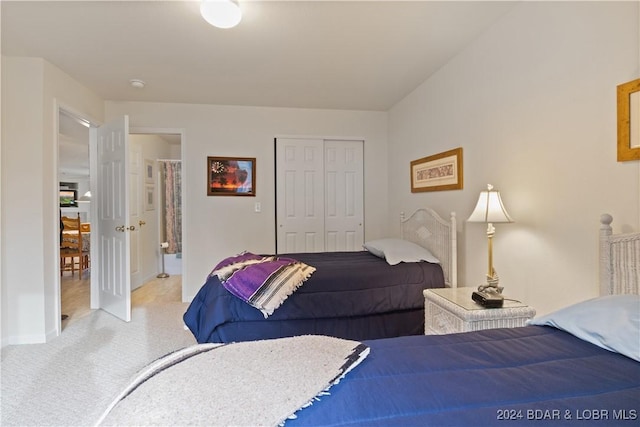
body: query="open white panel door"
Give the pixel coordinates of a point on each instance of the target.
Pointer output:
(114, 280)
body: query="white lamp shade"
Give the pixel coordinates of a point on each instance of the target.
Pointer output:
(489, 208)
(221, 13)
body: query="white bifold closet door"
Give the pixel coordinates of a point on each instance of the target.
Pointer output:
(319, 195)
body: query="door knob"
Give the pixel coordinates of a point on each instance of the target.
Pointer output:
(120, 228)
(132, 228)
(141, 223)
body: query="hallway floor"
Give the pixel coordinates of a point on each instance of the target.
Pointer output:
(76, 295)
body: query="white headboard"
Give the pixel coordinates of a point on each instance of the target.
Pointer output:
(619, 260)
(427, 229)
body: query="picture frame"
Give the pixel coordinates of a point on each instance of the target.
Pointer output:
(149, 171)
(68, 198)
(628, 96)
(442, 171)
(231, 176)
(150, 198)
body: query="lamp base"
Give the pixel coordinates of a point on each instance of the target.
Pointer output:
(492, 284)
(486, 287)
(162, 276)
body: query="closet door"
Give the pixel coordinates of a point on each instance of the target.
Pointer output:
(343, 220)
(319, 195)
(299, 195)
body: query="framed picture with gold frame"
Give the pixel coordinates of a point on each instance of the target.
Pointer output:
(629, 121)
(231, 176)
(442, 171)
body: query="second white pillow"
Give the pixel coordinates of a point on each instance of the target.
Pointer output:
(395, 251)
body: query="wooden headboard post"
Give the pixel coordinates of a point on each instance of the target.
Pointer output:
(427, 229)
(619, 260)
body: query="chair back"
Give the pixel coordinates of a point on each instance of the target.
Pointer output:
(71, 235)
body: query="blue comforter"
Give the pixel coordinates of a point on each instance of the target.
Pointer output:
(352, 295)
(535, 375)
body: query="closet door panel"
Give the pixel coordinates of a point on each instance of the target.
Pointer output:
(344, 195)
(299, 194)
(319, 195)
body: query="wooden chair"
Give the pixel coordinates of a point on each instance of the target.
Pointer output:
(85, 227)
(71, 247)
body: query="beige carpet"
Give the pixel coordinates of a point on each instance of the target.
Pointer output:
(72, 379)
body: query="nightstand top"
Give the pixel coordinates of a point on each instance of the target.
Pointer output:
(451, 310)
(462, 298)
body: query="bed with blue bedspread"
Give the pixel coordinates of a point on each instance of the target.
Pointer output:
(578, 366)
(369, 294)
(521, 376)
(351, 295)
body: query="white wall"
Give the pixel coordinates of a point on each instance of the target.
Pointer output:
(217, 227)
(533, 104)
(31, 90)
(22, 228)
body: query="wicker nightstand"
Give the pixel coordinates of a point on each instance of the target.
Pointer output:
(448, 310)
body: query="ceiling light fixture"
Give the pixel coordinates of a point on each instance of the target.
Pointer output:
(221, 13)
(137, 83)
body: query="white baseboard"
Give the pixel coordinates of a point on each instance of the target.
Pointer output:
(25, 339)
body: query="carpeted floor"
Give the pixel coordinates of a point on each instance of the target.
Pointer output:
(72, 379)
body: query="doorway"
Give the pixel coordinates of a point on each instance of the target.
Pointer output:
(155, 189)
(73, 171)
(77, 296)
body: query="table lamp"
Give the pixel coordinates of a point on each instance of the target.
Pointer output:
(490, 209)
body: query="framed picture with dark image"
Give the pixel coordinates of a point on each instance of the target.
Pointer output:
(231, 176)
(68, 198)
(149, 166)
(150, 198)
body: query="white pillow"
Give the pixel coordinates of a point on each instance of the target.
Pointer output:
(396, 251)
(611, 322)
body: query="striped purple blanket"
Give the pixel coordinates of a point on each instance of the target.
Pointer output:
(264, 282)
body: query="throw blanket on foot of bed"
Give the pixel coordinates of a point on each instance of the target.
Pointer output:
(262, 281)
(257, 383)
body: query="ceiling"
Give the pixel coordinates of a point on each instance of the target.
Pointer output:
(356, 55)
(350, 55)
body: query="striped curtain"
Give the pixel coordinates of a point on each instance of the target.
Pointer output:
(172, 173)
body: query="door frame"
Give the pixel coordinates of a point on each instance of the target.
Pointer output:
(183, 144)
(94, 300)
(57, 110)
(95, 303)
